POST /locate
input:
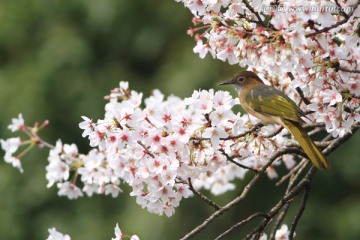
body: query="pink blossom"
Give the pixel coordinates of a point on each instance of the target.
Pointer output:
(87, 125)
(201, 49)
(69, 189)
(282, 233)
(331, 96)
(17, 123)
(55, 235)
(10, 146)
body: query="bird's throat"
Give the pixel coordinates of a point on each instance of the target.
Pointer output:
(239, 88)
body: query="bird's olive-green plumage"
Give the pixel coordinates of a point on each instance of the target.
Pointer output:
(273, 106)
(315, 155)
(269, 100)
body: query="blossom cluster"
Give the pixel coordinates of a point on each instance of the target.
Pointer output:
(164, 148)
(12, 146)
(280, 234)
(56, 235)
(315, 51)
(168, 145)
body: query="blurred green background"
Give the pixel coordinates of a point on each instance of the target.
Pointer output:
(59, 58)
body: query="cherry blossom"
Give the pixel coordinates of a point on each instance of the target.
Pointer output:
(55, 235)
(119, 235)
(10, 146)
(331, 96)
(69, 189)
(17, 123)
(282, 233)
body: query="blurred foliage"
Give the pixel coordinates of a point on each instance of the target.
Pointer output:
(59, 58)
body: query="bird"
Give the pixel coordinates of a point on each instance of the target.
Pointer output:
(272, 106)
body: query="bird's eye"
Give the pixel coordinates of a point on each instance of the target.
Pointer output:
(241, 79)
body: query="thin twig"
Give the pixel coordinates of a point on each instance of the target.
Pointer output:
(243, 194)
(315, 131)
(247, 4)
(225, 208)
(256, 126)
(341, 11)
(322, 144)
(239, 224)
(287, 198)
(300, 212)
(279, 220)
(296, 169)
(274, 133)
(146, 149)
(349, 70)
(293, 177)
(301, 94)
(252, 129)
(291, 76)
(295, 190)
(325, 29)
(203, 197)
(230, 159)
(315, 124)
(319, 144)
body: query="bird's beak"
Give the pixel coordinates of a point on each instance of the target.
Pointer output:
(226, 83)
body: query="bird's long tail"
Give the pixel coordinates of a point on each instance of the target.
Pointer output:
(314, 154)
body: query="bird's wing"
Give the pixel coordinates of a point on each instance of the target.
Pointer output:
(269, 100)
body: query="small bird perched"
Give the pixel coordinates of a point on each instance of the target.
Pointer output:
(273, 106)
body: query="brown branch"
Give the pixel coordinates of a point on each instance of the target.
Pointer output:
(341, 11)
(325, 29)
(301, 94)
(298, 89)
(247, 18)
(239, 224)
(293, 177)
(146, 149)
(283, 201)
(274, 133)
(279, 220)
(247, 4)
(256, 126)
(243, 194)
(295, 171)
(306, 185)
(315, 131)
(319, 144)
(203, 197)
(225, 208)
(291, 76)
(300, 212)
(287, 198)
(315, 124)
(230, 159)
(348, 70)
(323, 144)
(253, 128)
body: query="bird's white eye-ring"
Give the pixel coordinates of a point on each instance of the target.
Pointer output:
(241, 79)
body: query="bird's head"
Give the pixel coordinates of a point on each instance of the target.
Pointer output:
(243, 80)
